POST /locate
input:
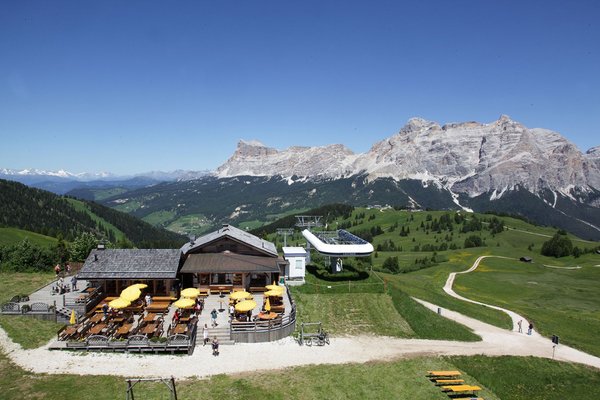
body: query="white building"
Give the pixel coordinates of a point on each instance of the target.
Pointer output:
(296, 268)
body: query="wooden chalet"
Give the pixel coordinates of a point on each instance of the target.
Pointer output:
(115, 269)
(230, 258)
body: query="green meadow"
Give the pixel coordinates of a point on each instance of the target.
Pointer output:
(10, 236)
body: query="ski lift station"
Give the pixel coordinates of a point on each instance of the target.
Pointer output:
(336, 245)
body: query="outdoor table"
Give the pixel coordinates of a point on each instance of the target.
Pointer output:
(150, 317)
(96, 318)
(444, 373)
(117, 320)
(461, 388)
(69, 331)
(158, 306)
(179, 329)
(449, 381)
(267, 316)
(149, 329)
(96, 329)
(184, 319)
(221, 290)
(124, 330)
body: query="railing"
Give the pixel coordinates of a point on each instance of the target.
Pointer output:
(264, 331)
(36, 310)
(86, 304)
(137, 343)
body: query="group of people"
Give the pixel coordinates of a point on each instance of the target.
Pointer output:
(214, 343)
(529, 328)
(61, 287)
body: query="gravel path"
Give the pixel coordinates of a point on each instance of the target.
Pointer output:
(286, 353)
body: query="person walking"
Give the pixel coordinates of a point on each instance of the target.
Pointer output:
(213, 317)
(73, 283)
(530, 328)
(205, 334)
(231, 312)
(215, 346)
(520, 323)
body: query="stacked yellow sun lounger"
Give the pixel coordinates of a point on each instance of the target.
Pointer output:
(451, 383)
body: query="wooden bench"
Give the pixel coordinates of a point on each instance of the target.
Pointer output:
(255, 289)
(163, 298)
(449, 381)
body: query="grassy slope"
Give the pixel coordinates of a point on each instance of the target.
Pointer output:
(507, 378)
(81, 206)
(563, 302)
(353, 314)
(28, 332)
(532, 378)
(371, 307)
(14, 283)
(10, 236)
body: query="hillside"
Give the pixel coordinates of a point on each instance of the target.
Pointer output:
(48, 214)
(195, 206)
(12, 236)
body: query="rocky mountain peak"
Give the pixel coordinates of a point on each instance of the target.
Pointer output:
(466, 157)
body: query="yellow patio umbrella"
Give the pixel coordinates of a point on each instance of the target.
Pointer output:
(274, 292)
(184, 302)
(138, 286)
(273, 286)
(119, 302)
(131, 294)
(267, 305)
(73, 318)
(190, 292)
(240, 295)
(246, 305)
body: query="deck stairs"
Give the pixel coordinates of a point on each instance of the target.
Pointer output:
(222, 334)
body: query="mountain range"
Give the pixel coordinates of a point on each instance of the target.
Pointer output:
(61, 181)
(466, 158)
(501, 166)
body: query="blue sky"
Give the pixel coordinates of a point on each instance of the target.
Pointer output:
(133, 86)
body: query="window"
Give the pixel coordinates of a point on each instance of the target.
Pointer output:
(299, 264)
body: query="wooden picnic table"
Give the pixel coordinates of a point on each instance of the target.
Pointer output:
(117, 320)
(96, 329)
(161, 299)
(96, 318)
(443, 373)
(150, 328)
(158, 306)
(267, 316)
(179, 329)
(449, 381)
(69, 331)
(124, 330)
(150, 317)
(460, 388)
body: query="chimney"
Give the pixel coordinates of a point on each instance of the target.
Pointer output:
(101, 246)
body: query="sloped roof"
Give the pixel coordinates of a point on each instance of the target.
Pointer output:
(234, 233)
(229, 262)
(131, 264)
